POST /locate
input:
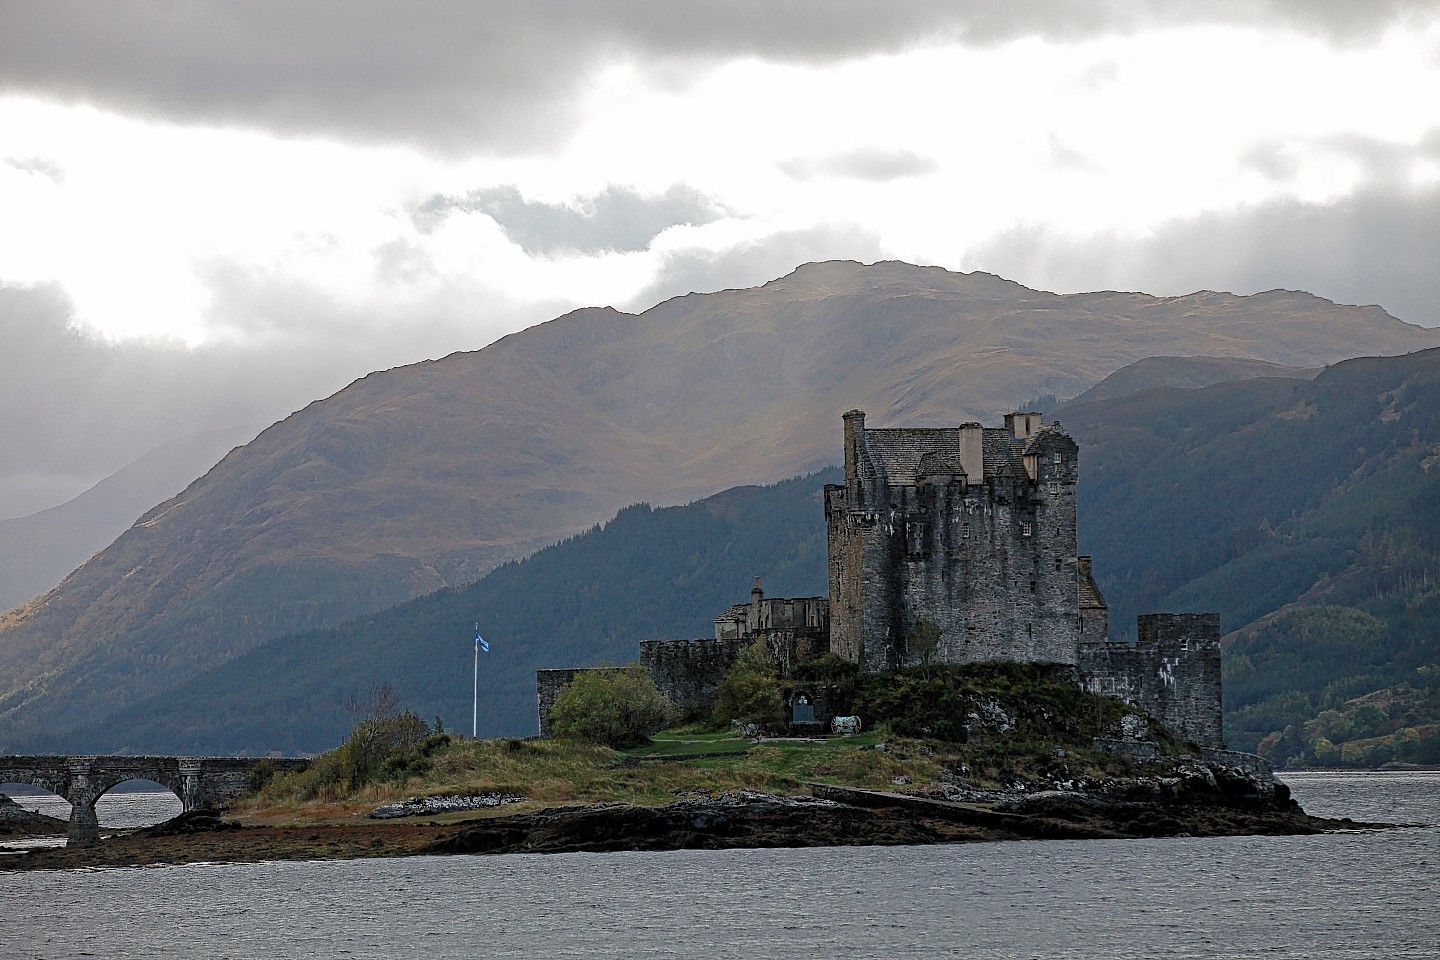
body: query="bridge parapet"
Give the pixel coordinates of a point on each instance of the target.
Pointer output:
(199, 782)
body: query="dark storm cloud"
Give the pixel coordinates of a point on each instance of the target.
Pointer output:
(614, 220)
(498, 76)
(1379, 246)
(872, 164)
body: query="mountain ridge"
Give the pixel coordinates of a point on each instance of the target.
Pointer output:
(1332, 610)
(429, 475)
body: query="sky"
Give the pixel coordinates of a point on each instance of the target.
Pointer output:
(212, 213)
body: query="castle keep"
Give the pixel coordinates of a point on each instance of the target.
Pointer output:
(970, 528)
(968, 532)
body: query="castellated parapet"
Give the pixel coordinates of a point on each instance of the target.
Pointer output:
(1172, 673)
(971, 528)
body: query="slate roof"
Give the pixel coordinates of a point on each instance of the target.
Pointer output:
(1089, 593)
(899, 450)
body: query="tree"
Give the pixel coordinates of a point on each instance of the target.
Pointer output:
(750, 691)
(922, 642)
(380, 731)
(1407, 744)
(1326, 753)
(614, 708)
(1331, 725)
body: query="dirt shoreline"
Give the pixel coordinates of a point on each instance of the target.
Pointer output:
(708, 823)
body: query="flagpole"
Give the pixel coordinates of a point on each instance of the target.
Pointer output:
(475, 700)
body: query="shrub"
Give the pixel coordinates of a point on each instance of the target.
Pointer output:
(614, 708)
(750, 691)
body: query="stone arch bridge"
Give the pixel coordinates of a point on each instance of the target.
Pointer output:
(200, 782)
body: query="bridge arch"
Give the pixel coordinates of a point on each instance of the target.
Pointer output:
(104, 784)
(50, 774)
(112, 811)
(33, 793)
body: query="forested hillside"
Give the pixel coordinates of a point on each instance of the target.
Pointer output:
(647, 574)
(1308, 514)
(427, 476)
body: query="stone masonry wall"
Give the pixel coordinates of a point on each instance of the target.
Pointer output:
(549, 684)
(688, 671)
(1172, 672)
(988, 555)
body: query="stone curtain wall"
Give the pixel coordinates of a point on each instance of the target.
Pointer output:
(1172, 673)
(688, 671)
(549, 684)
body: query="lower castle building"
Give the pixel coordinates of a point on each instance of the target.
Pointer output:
(967, 532)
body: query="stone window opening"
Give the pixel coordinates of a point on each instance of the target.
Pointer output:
(1059, 457)
(1025, 530)
(1057, 563)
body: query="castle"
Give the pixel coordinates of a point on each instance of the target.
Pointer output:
(969, 531)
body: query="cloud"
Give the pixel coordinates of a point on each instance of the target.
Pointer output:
(46, 168)
(616, 219)
(868, 163)
(75, 407)
(755, 261)
(507, 76)
(1377, 246)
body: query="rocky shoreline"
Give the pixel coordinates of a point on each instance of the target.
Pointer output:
(1195, 802)
(16, 821)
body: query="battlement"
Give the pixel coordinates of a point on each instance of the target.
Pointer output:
(1172, 673)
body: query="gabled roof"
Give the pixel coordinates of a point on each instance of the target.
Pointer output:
(899, 451)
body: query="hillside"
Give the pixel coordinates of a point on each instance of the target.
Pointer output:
(1304, 511)
(1187, 373)
(648, 573)
(425, 476)
(38, 550)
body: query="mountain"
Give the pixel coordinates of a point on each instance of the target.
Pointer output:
(647, 573)
(1187, 373)
(1306, 512)
(38, 550)
(429, 475)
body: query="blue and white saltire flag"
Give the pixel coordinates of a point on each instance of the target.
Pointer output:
(480, 641)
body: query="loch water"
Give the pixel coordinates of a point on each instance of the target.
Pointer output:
(1361, 894)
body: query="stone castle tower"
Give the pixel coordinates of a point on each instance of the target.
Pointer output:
(971, 528)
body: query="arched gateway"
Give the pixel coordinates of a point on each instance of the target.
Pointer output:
(200, 782)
